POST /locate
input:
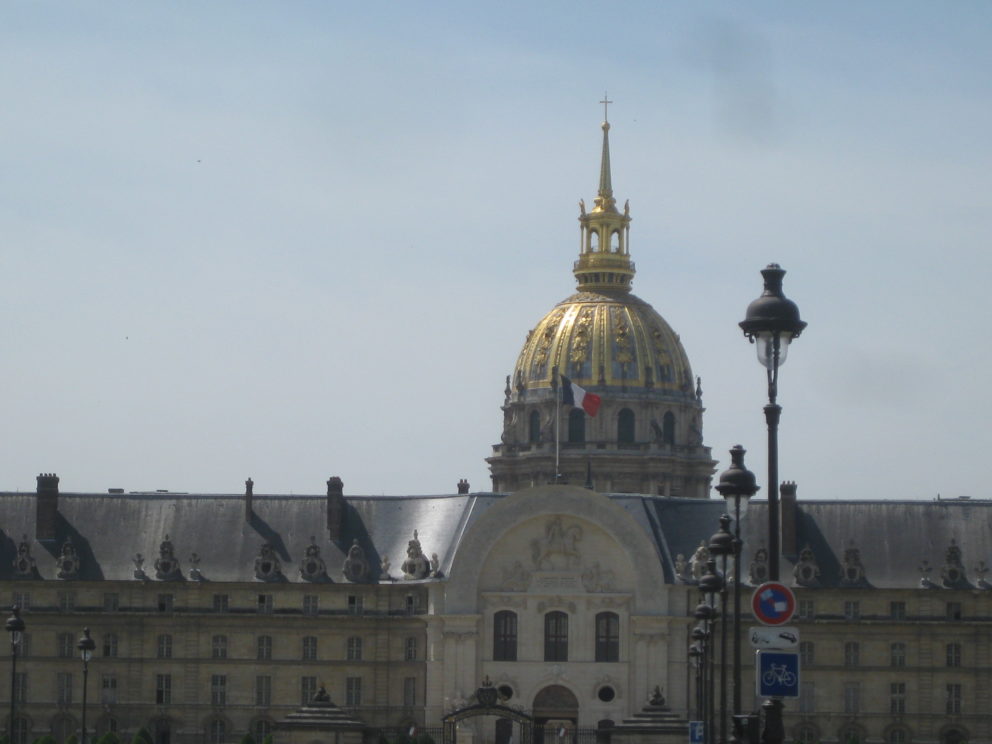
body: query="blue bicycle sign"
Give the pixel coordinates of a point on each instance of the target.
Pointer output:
(777, 674)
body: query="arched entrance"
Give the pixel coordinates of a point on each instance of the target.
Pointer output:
(487, 705)
(556, 715)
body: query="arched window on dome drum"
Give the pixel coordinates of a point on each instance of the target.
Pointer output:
(625, 426)
(505, 636)
(668, 428)
(607, 636)
(594, 241)
(556, 636)
(534, 428)
(576, 425)
(615, 242)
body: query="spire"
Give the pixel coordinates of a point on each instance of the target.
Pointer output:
(604, 262)
(605, 200)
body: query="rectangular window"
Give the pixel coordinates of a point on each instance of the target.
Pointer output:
(852, 609)
(852, 697)
(897, 654)
(163, 689)
(22, 600)
(108, 689)
(263, 691)
(65, 645)
(556, 636)
(218, 689)
(63, 687)
(807, 609)
(264, 644)
(607, 636)
(852, 654)
(264, 604)
(807, 697)
(111, 602)
(308, 688)
(218, 647)
(165, 602)
(953, 699)
(311, 604)
(110, 645)
(356, 604)
(353, 691)
(221, 602)
(165, 646)
(309, 648)
(409, 691)
(410, 649)
(807, 653)
(21, 687)
(897, 697)
(953, 654)
(24, 645)
(67, 601)
(411, 604)
(953, 610)
(354, 649)
(505, 636)
(897, 610)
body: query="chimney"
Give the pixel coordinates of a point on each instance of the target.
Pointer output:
(47, 506)
(463, 486)
(249, 496)
(335, 507)
(790, 519)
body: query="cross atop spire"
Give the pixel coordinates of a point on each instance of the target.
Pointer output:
(606, 103)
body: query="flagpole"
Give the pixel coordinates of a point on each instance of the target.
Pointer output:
(557, 423)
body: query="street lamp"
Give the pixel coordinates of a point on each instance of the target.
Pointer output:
(710, 584)
(85, 646)
(15, 626)
(771, 323)
(722, 545)
(737, 485)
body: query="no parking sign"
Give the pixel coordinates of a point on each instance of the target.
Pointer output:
(773, 603)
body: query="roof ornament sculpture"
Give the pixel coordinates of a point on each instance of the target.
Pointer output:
(416, 565)
(952, 573)
(267, 564)
(312, 567)
(697, 564)
(384, 566)
(167, 565)
(194, 567)
(682, 571)
(139, 567)
(356, 567)
(852, 571)
(67, 564)
(758, 570)
(24, 564)
(435, 567)
(925, 569)
(980, 570)
(807, 570)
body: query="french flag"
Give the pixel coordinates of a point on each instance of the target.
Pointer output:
(573, 395)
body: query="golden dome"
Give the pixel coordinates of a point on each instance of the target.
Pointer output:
(605, 340)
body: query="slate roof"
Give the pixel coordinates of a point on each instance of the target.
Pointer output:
(894, 538)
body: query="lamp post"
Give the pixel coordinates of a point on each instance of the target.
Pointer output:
(710, 585)
(15, 626)
(85, 646)
(722, 545)
(771, 323)
(737, 485)
(695, 656)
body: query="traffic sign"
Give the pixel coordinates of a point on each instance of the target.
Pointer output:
(765, 637)
(696, 732)
(773, 603)
(777, 674)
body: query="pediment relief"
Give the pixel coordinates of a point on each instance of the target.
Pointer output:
(558, 548)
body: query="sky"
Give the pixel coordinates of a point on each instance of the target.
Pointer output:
(290, 240)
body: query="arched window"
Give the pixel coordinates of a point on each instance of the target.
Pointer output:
(806, 734)
(62, 728)
(534, 430)
(954, 736)
(162, 731)
(576, 425)
(897, 735)
(261, 728)
(505, 636)
(668, 428)
(625, 426)
(851, 735)
(607, 637)
(504, 731)
(556, 636)
(218, 731)
(615, 241)
(20, 731)
(594, 241)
